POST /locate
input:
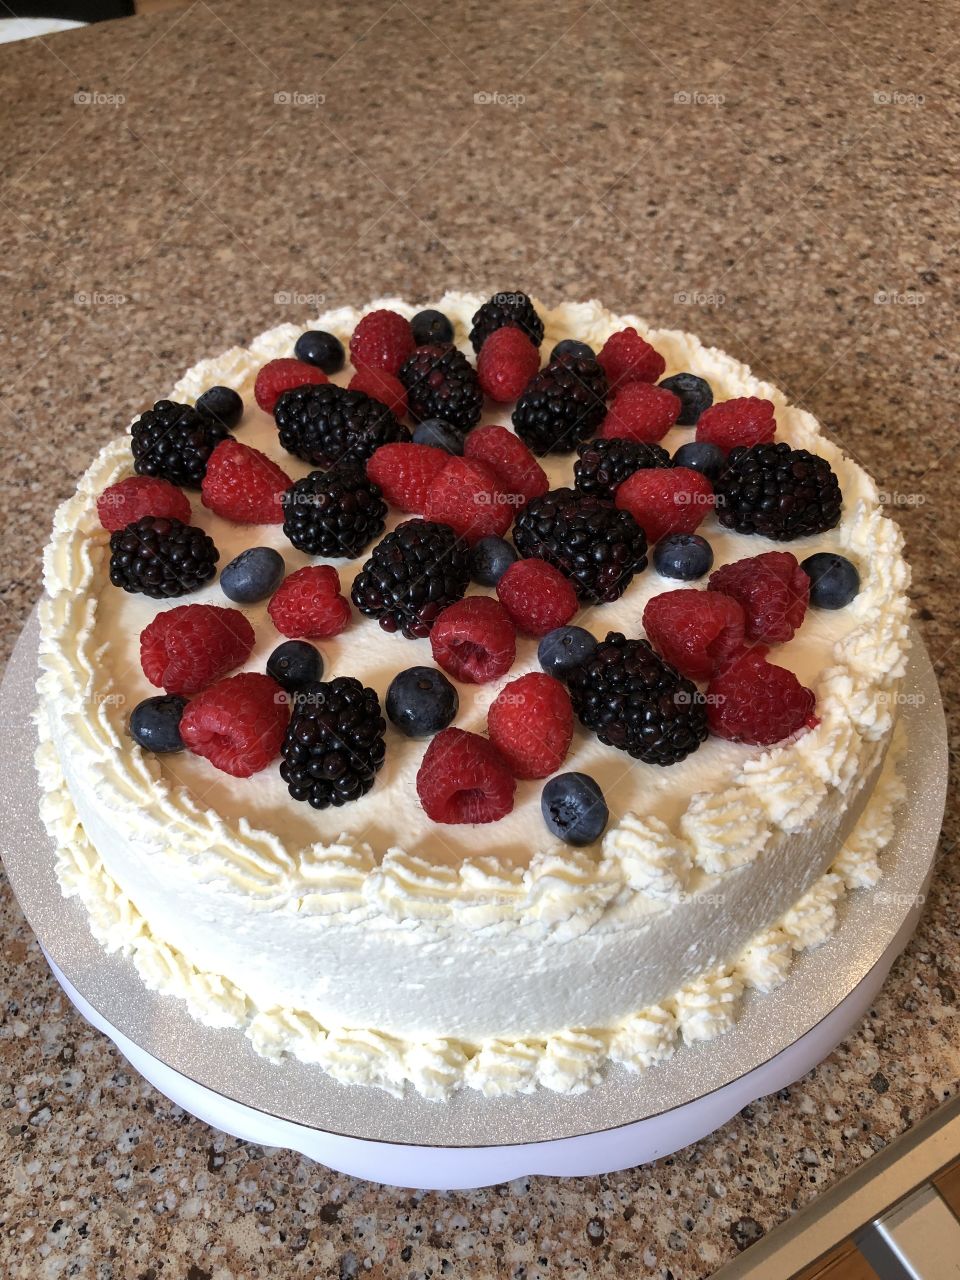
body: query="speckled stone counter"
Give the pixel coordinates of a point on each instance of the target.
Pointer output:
(774, 176)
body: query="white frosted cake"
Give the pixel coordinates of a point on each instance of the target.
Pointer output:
(395, 949)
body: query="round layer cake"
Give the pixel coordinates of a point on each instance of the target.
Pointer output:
(392, 949)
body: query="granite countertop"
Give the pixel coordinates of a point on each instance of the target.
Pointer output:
(774, 176)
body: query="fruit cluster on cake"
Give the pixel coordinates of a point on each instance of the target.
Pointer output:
(470, 697)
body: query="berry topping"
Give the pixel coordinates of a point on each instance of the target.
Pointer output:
(431, 327)
(490, 559)
(743, 421)
(640, 411)
(308, 604)
(416, 570)
(252, 575)
(530, 722)
(329, 424)
(662, 502)
(382, 386)
(563, 649)
(322, 349)
(442, 383)
(779, 492)
(155, 723)
(834, 581)
(185, 649)
(421, 701)
(683, 555)
(603, 465)
(222, 403)
(562, 405)
(439, 435)
(295, 664)
(334, 746)
(334, 513)
(697, 455)
(161, 557)
(278, 376)
(243, 485)
(174, 441)
(405, 473)
(506, 363)
(474, 640)
(238, 724)
(463, 779)
(127, 500)
(537, 596)
(696, 631)
(466, 496)
(382, 340)
(772, 590)
(755, 702)
(574, 809)
(517, 470)
(694, 394)
(506, 309)
(571, 347)
(626, 357)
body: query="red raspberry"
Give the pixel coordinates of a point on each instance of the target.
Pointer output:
(641, 411)
(244, 485)
(743, 421)
(666, 500)
(530, 722)
(405, 473)
(382, 340)
(308, 604)
(238, 724)
(382, 386)
(753, 701)
(626, 357)
(467, 497)
(138, 496)
(184, 649)
(772, 590)
(506, 363)
(517, 470)
(474, 640)
(696, 631)
(463, 779)
(537, 596)
(278, 376)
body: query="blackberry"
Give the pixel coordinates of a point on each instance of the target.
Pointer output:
(161, 557)
(636, 702)
(174, 441)
(334, 743)
(416, 571)
(506, 308)
(598, 547)
(442, 383)
(778, 492)
(603, 464)
(327, 424)
(563, 404)
(334, 513)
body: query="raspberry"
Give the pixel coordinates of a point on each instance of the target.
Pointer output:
(696, 631)
(506, 363)
(244, 485)
(537, 596)
(743, 421)
(753, 701)
(405, 473)
(382, 386)
(626, 357)
(666, 501)
(463, 779)
(517, 470)
(308, 605)
(530, 722)
(382, 340)
(474, 640)
(238, 724)
(186, 648)
(640, 411)
(466, 496)
(772, 590)
(137, 496)
(278, 376)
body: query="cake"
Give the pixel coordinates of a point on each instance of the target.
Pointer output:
(398, 949)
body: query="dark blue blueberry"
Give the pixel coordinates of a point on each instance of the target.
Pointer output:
(700, 455)
(571, 347)
(320, 348)
(439, 434)
(155, 723)
(573, 808)
(252, 575)
(222, 403)
(682, 555)
(431, 327)
(294, 664)
(564, 649)
(694, 394)
(490, 559)
(834, 581)
(421, 701)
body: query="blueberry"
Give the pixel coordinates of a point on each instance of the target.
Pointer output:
(252, 575)
(694, 394)
(573, 808)
(563, 649)
(701, 456)
(294, 664)
(155, 723)
(439, 434)
(682, 555)
(430, 327)
(490, 560)
(222, 403)
(320, 348)
(421, 701)
(571, 347)
(834, 581)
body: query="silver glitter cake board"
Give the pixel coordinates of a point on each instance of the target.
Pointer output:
(827, 991)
